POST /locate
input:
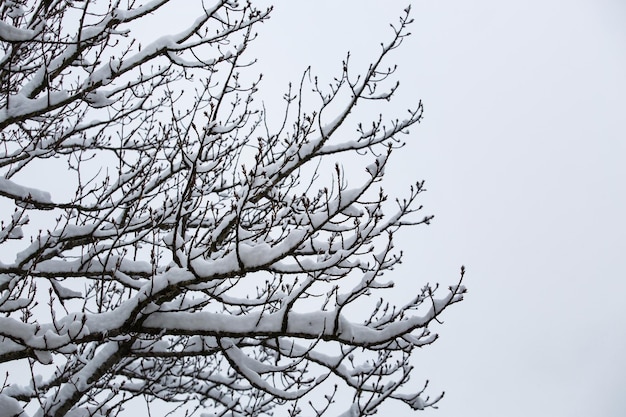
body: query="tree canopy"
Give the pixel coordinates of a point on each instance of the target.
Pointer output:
(161, 241)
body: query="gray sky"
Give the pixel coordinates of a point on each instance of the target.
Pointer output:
(523, 148)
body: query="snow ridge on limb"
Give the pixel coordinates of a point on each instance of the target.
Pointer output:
(196, 258)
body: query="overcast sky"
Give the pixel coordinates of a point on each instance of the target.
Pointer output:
(523, 148)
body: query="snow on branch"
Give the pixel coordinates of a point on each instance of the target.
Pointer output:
(195, 257)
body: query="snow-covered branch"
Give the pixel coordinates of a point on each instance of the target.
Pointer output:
(160, 241)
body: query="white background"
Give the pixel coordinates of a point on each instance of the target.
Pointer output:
(523, 149)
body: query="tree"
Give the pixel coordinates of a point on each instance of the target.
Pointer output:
(186, 253)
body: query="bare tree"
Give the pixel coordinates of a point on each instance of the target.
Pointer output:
(185, 253)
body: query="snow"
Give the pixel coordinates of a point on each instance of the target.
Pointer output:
(377, 168)
(64, 293)
(43, 356)
(16, 233)
(352, 211)
(20, 106)
(127, 15)
(10, 189)
(10, 407)
(9, 33)
(252, 369)
(98, 99)
(309, 325)
(80, 381)
(13, 305)
(15, 10)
